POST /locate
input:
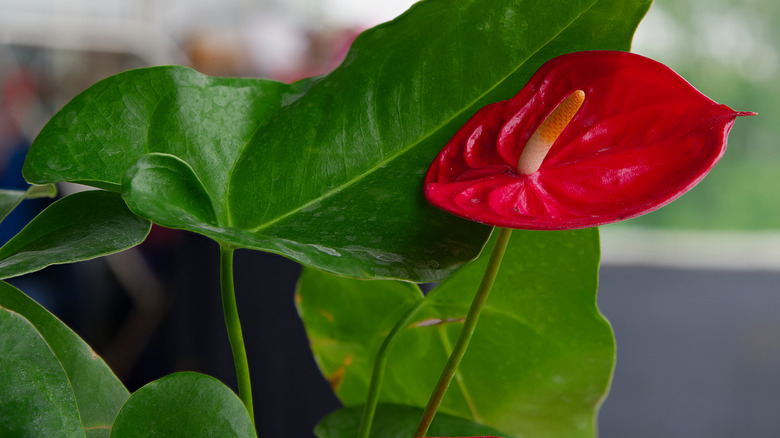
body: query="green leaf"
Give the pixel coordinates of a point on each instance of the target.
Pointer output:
(183, 405)
(353, 323)
(201, 119)
(168, 190)
(397, 421)
(10, 199)
(327, 171)
(78, 227)
(98, 392)
(539, 363)
(36, 398)
(368, 132)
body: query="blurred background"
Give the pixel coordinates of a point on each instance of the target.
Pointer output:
(691, 290)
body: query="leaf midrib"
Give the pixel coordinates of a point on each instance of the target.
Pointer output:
(414, 144)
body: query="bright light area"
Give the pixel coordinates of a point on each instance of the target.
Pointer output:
(351, 12)
(736, 37)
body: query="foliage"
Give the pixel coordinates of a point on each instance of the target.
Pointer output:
(183, 405)
(396, 421)
(540, 336)
(327, 171)
(262, 165)
(77, 227)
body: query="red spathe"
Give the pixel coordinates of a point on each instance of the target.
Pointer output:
(642, 138)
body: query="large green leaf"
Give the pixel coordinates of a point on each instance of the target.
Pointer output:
(368, 131)
(183, 405)
(36, 398)
(78, 227)
(396, 421)
(99, 393)
(204, 120)
(327, 171)
(541, 358)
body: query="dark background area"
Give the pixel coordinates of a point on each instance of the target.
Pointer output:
(697, 353)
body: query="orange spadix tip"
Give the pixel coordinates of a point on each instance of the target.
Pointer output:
(548, 131)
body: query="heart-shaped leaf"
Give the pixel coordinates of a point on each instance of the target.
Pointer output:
(205, 121)
(36, 398)
(78, 227)
(98, 392)
(539, 363)
(396, 421)
(183, 405)
(277, 162)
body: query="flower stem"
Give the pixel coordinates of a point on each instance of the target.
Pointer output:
(378, 373)
(235, 336)
(467, 331)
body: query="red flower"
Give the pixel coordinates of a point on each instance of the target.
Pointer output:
(593, 138)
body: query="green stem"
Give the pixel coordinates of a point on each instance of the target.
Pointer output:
(378, 373)
(466, 332)
(235, 336)
(464, 391)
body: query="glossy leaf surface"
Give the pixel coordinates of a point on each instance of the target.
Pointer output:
(36, 399)
(277, 162)
(397, 421)
(78, 227)
(183, 405)
(98, 392)
(10, 199)
(541, 357)
(642, 138)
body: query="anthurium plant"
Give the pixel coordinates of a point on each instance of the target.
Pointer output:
(458, 117)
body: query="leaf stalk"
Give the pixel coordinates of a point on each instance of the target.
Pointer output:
(459, 350)
(380, 365)
(236, 337)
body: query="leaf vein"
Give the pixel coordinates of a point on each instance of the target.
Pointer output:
(382, 163)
